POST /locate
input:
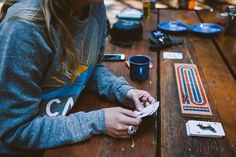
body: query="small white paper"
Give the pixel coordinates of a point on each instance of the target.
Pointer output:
(147, 111)
(204, 129)
(172, 55)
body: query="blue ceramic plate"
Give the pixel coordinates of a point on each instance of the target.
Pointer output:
(173, 26)
(206, 28)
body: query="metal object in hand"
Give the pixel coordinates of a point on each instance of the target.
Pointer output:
(131, 130)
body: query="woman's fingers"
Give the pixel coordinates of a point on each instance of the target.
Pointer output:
(151, 100)
(124, 133)
(144, 98)
(147, 104)
(137, 102)
(128, 112)
(118, 121)
(135, 96)
(129, 117)
(147, 96)
(132, 121)
(147, 100)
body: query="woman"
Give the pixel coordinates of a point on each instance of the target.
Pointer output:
(51, 50)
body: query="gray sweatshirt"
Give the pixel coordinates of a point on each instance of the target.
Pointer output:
(37, 91)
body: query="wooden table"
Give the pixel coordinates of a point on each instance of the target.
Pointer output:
(215, 59)
(164, 134)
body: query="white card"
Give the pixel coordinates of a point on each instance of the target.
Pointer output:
(155, 107)
(204, 129)
(147, 111)
(172, 55)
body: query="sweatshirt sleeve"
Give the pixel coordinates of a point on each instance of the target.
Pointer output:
(23, 60)
(105, 82)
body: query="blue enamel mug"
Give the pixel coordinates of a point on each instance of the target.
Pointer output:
(139, 67)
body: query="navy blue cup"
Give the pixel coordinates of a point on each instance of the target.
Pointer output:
(139, 67)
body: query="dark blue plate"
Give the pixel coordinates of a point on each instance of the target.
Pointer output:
(206, 28)
(173, 26)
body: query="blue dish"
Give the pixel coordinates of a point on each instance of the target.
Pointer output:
(173, 26)
(206, 28)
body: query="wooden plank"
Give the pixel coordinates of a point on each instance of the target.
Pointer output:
(226, 43)
(101, 145)
(145, 142)
(220, 89)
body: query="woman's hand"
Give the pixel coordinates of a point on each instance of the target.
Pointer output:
(118, 120)
(140, 98)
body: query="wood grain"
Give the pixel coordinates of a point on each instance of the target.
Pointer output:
(225, 43)
(220, 88)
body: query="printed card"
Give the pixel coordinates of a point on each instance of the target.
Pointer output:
(172, 55)
(204, 129)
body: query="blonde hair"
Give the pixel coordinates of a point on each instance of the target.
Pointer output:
(60, 12)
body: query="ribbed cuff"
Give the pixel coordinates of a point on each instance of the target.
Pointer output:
(121, 94)
(99, 122)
